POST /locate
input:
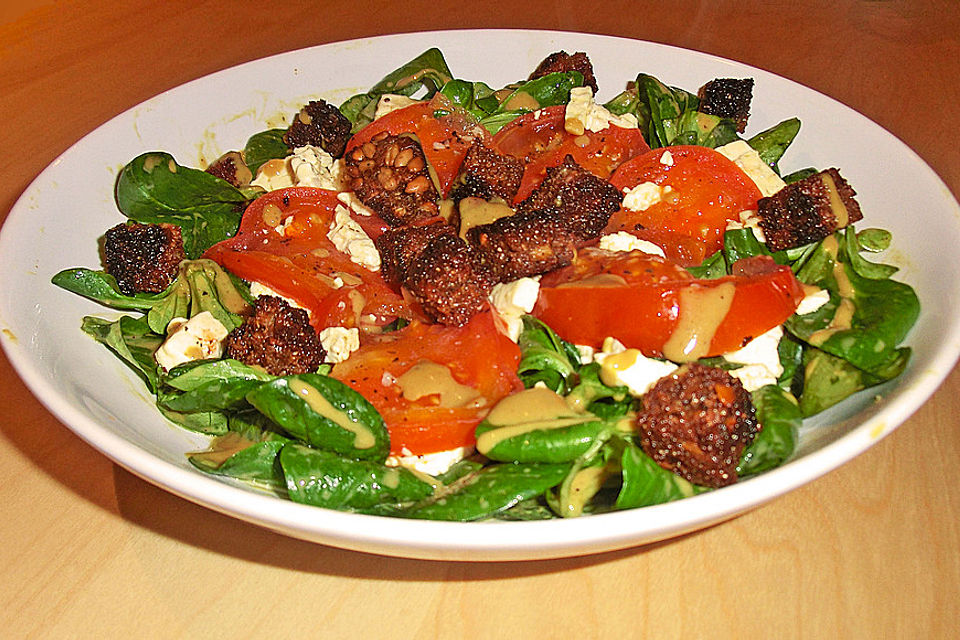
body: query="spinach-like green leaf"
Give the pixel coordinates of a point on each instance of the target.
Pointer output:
(488, 492)
(195, 375)
(235, 456)
(829, 379)
(264, 146)
(212, 423)
(101, 287)
(646, 483)
(861, 265)
(428, 72)
(132, 340)
(153, 188)
(712, 267)
(772, 143)
(545, 357)
(591, 394)
(201, 285)
(780, 416)
(874, 240)
(324, 413)
(325, 479)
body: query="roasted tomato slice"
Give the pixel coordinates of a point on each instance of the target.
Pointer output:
(444, 132)
(656, 306)
(706, 190)
(426, 411)
(540, 141)
(283, 243)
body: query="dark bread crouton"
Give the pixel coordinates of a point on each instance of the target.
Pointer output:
(808, 210)
(143, 257)
(232, 168)
(277, 337)
(399, 248)
(389, 174)
(525, 244)
(449, 280)
(319, 124)
(728, 98)
(583, 200)
(486, 174)
(696, 423)
(563, 61)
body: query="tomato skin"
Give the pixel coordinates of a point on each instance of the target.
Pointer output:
(477, 354)
(540, 141)
(707, 191)
(638, 299)
(445, 139)
(303, 264)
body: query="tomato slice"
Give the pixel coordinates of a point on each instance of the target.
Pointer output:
(539, 139)
(444, 133)
(706, 191)
(477, 355)
(656, 306)
(283, 244)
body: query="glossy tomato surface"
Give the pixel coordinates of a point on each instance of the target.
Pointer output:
(706, 190)
(640, 300)
(477, 354)
(283, 243)
(540, 141)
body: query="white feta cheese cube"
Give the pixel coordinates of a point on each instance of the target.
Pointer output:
(624, 241)
(198, 338)
(666, 159)
(630, 368)
(339, 343)
(275, 174)
(258, 289)
(813, 301)
(747, 158)
(511, 300)
(347, 236)
(314, 167)
(431, 463)
(391, 102)
(644, 195)
(584, 114)
(760, 358)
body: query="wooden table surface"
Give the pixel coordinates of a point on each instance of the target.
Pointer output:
(89, 550)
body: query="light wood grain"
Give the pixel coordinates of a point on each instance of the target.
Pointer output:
(88, 550)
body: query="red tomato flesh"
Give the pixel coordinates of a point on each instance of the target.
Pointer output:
(540, 141)
(706, 191)
(477, 354)
(302, 263)
(641, 300)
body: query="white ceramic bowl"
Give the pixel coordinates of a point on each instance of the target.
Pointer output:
(57, 221)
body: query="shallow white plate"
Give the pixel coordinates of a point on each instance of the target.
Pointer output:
(56, 223)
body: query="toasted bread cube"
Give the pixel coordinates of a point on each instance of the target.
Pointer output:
(143, 257)
(728, 98)
(808, 210)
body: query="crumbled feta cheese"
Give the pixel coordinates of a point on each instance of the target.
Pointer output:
(350, 199)
(391, 102)
(198, 338)
(748, 220)
(666, 159)
(583, 114)
(432, 463)
(347, 236)
(275, 174)
(644, 195)
(624, 241)
(747, 158)
(314, 167)
(306, 167)
(339, 343)
(586, 353)
(630, 368)
(512, 300)
(761, 360)
(813, 301)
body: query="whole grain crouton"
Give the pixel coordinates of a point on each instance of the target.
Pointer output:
(143, 258)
